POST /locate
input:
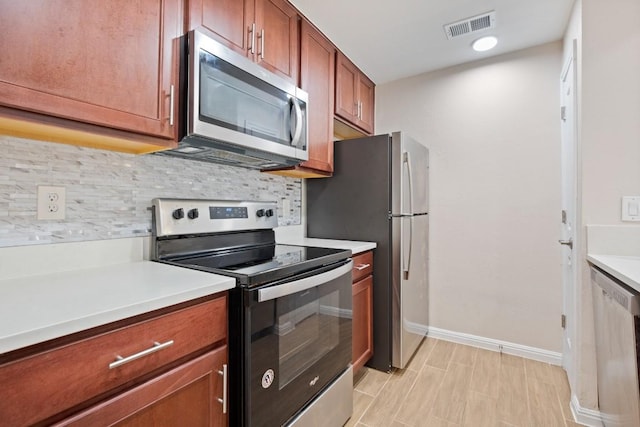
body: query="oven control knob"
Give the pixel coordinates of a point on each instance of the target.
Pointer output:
(260, 213)
(178, 213)
(268, 212)
(193, 214)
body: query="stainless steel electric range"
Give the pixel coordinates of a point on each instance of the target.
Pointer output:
(289, 316)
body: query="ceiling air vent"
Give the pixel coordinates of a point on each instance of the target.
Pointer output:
(470, 25)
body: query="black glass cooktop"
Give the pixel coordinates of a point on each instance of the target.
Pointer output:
(261, 265)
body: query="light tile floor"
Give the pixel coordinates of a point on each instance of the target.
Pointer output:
(448, 384)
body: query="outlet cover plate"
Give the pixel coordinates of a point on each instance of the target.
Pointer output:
(51, 202)
(631, 208)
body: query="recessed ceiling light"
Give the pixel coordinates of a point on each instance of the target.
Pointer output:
(484, 43)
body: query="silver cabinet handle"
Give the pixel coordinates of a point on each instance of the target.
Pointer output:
(223, 400)
(261, 37)
(123, 360)
(252, 38)
(566, 242)
(361, 267)
(171, 109)
(360, 110)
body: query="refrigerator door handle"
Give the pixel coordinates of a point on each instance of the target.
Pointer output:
(406, 160)
(406, 261)
(406, 254)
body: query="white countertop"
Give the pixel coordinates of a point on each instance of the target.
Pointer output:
(37, 308)
(355, 247)
(624, 268)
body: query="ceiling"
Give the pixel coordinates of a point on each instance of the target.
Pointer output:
(392, 39)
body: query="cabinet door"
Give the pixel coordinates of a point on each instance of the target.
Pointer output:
(366, 95)
(346, 89)
(362, 322)
(185, 396)
(317, 78)
(111, 63)
(277, 42)
(229, 21)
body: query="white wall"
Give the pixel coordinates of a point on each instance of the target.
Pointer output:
(494, 136)
(608, 38)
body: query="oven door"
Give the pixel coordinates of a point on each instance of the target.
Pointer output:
(299, 342)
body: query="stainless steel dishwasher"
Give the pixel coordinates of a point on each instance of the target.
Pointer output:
(616, 311)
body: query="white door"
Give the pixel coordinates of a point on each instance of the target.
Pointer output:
(568, 215)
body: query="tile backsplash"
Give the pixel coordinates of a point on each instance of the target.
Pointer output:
(108, 193)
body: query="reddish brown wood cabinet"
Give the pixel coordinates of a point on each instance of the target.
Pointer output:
(184, 396)
(79, 374)
(355, 95)
(362, 309)
(317, 78)
(109, 63)
(267, 31)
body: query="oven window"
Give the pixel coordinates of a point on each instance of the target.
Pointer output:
(308, 327)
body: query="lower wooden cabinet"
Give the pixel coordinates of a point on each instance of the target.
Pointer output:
(144, 370)
(362, 322)
(185, 396)
(362, 317)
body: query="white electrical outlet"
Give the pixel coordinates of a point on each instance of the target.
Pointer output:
(51, 202)
(631, 208)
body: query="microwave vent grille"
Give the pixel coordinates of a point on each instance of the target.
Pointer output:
(470, 25)
(218, 152)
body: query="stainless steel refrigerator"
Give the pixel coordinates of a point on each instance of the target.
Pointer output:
(380, 192)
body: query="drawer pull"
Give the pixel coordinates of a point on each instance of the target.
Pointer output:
(361, 267)
(123, 360)
(223, 400)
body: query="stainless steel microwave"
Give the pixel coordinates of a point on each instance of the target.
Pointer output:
(238, 113)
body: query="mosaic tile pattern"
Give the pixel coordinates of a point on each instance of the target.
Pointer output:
(109, 194)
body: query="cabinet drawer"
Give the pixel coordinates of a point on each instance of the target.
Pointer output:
(45, 384)
(185, 396)
(362, 265)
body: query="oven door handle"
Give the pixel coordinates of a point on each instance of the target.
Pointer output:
(289, 288)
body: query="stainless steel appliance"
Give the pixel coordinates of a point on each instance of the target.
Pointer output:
(238, 113)
(290, 327)
(617, 328)
(379, 192)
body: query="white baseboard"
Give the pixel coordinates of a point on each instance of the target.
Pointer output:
(588, 417)
(533, 353)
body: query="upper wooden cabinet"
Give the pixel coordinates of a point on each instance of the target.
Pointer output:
(266, 31)
(317, 78)
(109, 63)
(355, 95)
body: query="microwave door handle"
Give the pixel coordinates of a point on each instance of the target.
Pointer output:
(289, 288)
(297, 132)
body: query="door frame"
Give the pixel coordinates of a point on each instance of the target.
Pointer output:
(570, 289)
